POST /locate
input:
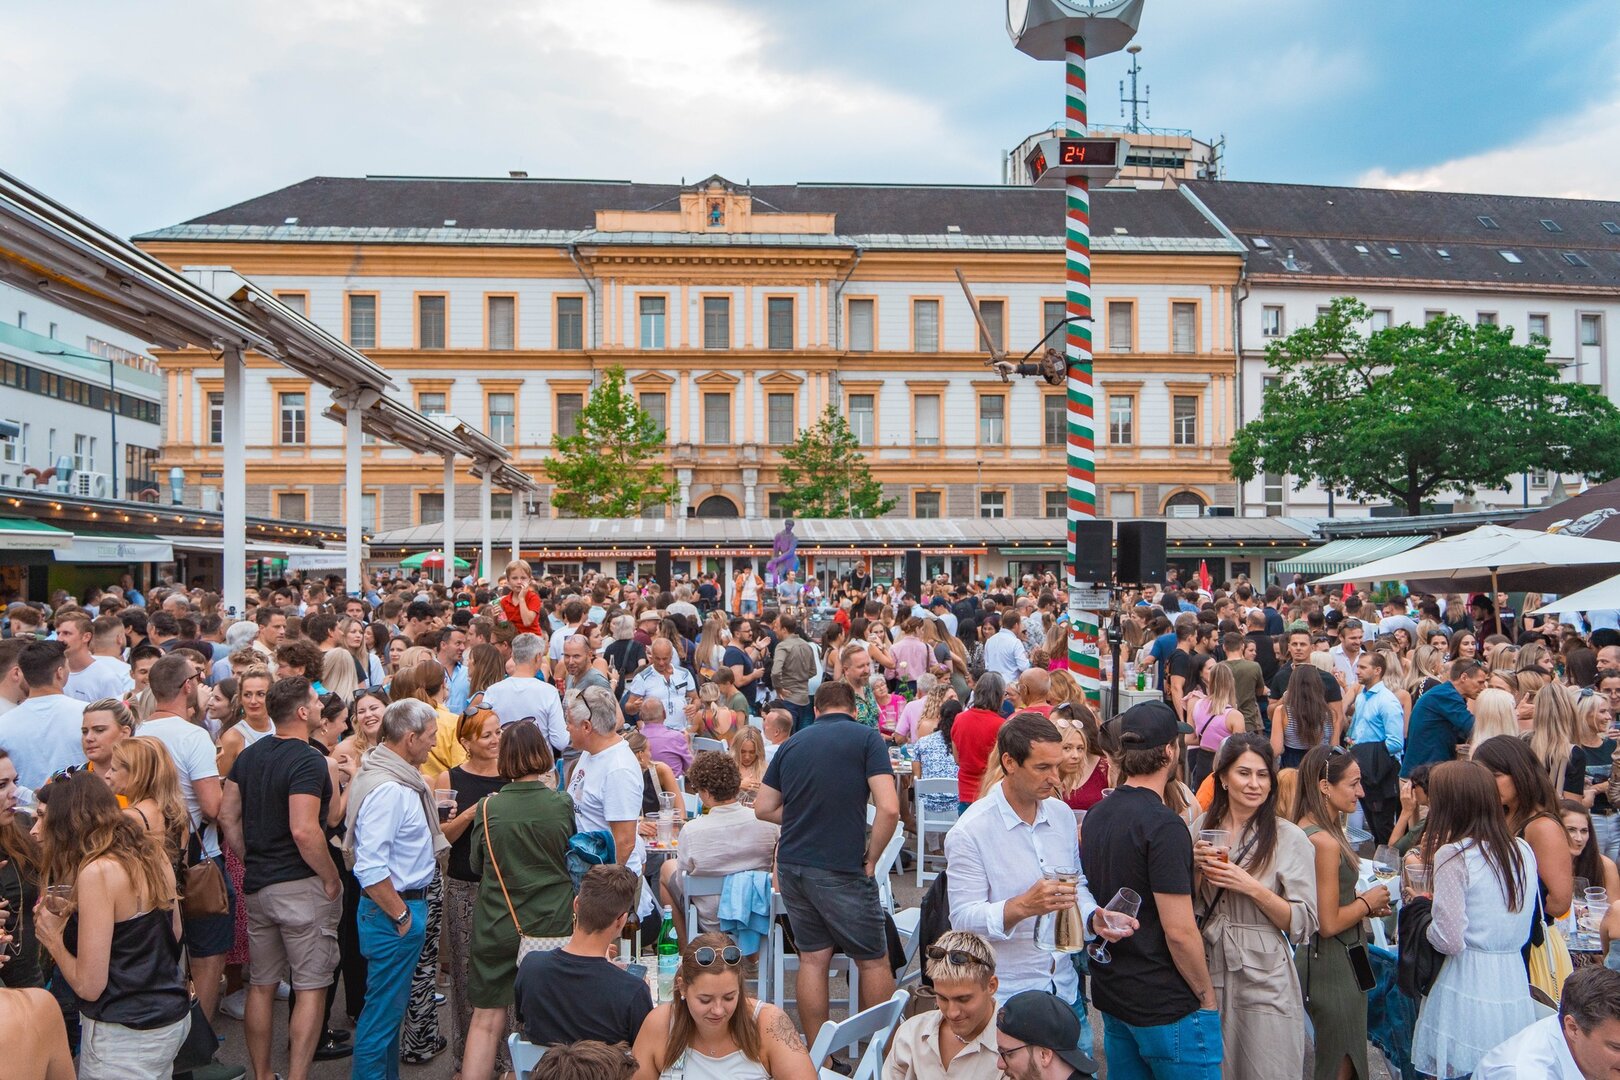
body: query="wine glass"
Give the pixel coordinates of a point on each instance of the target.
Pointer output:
(1117, 913)
(1386, 863)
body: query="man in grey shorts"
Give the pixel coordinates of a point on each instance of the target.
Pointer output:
(816, 788)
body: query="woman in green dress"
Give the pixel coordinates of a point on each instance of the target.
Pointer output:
(519, 850)
(1330, 788)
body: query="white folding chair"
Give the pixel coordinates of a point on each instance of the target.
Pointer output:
(784, 963)
(932, 822)
(700, 744)
(874, 1027)
(885, 867)
(695, 885)
(525, 1055)
(906, 921)
(694, 804)
(757, 723)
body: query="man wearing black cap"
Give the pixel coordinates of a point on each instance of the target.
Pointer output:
(1036, 1036)
(1155, 995)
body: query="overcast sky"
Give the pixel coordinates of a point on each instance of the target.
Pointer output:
(146, 114)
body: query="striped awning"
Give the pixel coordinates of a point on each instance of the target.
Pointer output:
(1341, 556)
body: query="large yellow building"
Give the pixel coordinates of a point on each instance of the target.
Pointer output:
(738, 314)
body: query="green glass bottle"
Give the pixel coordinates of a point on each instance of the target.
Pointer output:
(669, 957)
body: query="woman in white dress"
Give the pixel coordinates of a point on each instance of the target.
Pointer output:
(1484, 884)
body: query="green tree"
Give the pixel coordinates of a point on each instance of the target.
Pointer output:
(606, 468)
(824, 473)
(1408, 412)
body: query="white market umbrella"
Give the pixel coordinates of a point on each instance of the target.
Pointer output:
(1604, 596)
(1492, 556)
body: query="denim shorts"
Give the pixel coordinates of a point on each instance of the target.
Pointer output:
(834, 909)
(213, 935)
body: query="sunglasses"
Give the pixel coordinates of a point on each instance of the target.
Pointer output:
(958, 957)
(364, 691)
(1327, 763)
(706, 956)
(63, 774)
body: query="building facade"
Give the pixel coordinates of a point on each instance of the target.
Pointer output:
(738, 313)
(1547, 268)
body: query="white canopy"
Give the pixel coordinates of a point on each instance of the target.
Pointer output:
(1492, 556)
(1604, 596)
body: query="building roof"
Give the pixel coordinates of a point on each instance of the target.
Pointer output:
(541, 212)
(1418, 236)
(29, 347)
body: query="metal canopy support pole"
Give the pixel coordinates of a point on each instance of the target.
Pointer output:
(1083, 624)
(518, 514)
(487, 553)
(449, 518)
(352, 495)
(234, 482)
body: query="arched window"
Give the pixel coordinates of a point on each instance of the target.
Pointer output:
(1185, 504)
(717, 506)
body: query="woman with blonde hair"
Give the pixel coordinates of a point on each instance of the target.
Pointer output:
(1493, 715)
(142, 771)
(338, 675)
(1064, 687)
(711, 646)
(1554, 734)
(107, 722)
(1083, 775)
(1214, 716)
(1502, 657)
(426, 682)
(1537, 657)
(1427, 662)
(748, 751)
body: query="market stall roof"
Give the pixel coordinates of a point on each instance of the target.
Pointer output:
(1337, 556)
(89, 548)
(26, 534)
(256, 548)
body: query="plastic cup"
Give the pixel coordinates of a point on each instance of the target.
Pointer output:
(59, 898)
(1217, 839)
(447, 803)
(1416, 877)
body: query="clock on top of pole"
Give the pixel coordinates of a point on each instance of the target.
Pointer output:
(1071, 31)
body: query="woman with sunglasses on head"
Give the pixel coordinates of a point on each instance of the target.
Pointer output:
(1483, 880)
(1329, 789)
(1083, 774)
(712, 1031)
(19, 886)
(957, 1039)
(1257, 901)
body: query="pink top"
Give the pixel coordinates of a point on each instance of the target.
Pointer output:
(1211, 730)
(910, 717)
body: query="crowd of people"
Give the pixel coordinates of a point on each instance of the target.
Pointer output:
(503, 797)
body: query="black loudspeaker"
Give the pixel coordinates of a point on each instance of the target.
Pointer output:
(661, 567)
(1141, 552)
(1093, 551)
(914, 573)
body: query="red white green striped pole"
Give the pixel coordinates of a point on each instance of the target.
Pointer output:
(1083, 625)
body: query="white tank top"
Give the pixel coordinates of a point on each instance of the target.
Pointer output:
(250, 734)
(692, 1065)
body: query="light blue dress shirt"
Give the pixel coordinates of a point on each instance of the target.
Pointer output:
(1379, 717)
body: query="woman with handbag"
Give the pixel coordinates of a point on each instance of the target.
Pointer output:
(520, 849)
(1335, 994)
(116, 941)
(1256, 903)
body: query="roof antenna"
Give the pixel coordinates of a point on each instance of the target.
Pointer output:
(1140, 109)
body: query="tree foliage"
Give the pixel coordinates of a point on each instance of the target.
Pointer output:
(606, 468)
(824, 474)
(1409, 412)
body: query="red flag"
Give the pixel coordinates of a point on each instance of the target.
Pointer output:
(1349, 590)
(1203, 575)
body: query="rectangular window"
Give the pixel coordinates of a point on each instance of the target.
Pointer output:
(1056, 504)
(501, 314)
(1183, 328)
(1055, 419)
(1271, 321)
(503, 418)
(652, 316)
(292, 506)
(568, 407)
(216, 418)
(500, 506)
(1432, 314)
(1121, 419)
(430, 322)
(925, 504)
(779, 425)
(1121, 325)
(429, 507)
(1486, 318)
(297, 301)
(863, 417)
(1184, 420)
(1538, 326)
(363, 322)
(779, 322)
(1053, 314)
(292, 419)
(925, 325)
(1591, 329)
(992, 504)
(655, 403)
(773, 505)
(1539, 478)
(927, 409)
(52, 331)
(862, 332)
(717, 419)
(1121, 504)
(717, 322)
(22, 320)
(431, 403)
(570, 322)
(994, 314)
(1382, 318)
(992, 420)
(84, 453)
(368, 511)
(1272, 493)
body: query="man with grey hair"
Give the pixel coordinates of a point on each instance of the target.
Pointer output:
(237, 635)
(524, 696)
(606, 782)
(578, 671)
(393, 843)
(663, 742)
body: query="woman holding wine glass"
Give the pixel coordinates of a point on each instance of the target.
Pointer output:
(1257, 898)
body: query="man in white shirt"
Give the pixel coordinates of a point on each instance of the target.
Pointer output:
(42, 733)
(606, 782)
(209, 937)
(669, 683)
(1347, 652)
(998, 851)
(90, 677)
(523, 696)
(395, 839)
(1581, 1042)
(1004, 653)
(573, 613)
(726, 839)
(12, 687)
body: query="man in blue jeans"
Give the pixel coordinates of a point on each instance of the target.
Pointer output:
(394, 838)
(1154, 992)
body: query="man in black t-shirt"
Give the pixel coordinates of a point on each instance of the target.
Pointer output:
(743, 658)
(575, 992)
(1192, 645)
(1157, 1002)
(1299, 652)
(273, 814)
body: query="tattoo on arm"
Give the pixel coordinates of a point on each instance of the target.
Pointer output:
(781, 1029)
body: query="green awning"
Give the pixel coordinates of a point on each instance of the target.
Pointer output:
(1034, 553)
(1342, 556)
(26, 534)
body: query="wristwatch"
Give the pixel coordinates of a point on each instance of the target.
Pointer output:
(403, 917)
